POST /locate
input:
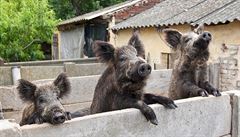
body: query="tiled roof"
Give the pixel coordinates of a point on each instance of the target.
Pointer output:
(174, 12)
(91, 15)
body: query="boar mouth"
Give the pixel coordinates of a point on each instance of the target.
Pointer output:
(140, 72)
(202, 43)
(58, 118)
(55, 117)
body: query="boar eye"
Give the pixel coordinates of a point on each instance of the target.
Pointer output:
(41, 100)
(57, 98)
(122, 59)
(187, 40)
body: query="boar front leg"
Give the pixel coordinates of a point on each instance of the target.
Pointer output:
(193, 90)
(128, 102)
(32, 119)
(68, 115)
(166, 102)
(203, 83)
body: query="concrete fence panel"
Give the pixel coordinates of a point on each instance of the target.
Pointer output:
(199, 116)
(40, 72)
(74, 70)
(83, 89)
(5, 76)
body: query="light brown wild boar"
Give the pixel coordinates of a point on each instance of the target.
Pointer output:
(189, 76)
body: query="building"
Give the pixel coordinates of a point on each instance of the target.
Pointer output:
(75, 35)
(221, 18)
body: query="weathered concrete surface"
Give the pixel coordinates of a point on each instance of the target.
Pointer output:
(16, 115)
(159, 82)
(9, 129)
(235, 95)
(1, 112)
(32, 73)
(5, 76)
(83, 89)
(226, 136)
(205, 117)
(74, 70)
(40, 72)
(52, 62)
(10, 99)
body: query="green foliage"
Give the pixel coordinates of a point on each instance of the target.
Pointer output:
(62, 8)
(21, 22)
(25, 21)
(66, 9)
(106, 3)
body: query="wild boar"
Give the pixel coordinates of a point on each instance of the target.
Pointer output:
(44, 101)
(189, 76)
(121, 85)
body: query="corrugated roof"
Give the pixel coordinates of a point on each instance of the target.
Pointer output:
(174, 12)
(91, 15)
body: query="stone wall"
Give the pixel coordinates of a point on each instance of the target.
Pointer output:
(199, 117)
(229, 68)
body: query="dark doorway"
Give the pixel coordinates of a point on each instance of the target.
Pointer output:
(94, 31)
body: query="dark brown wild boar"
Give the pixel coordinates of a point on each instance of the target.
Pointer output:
(121, 85)
(44, 101)
(189, 77)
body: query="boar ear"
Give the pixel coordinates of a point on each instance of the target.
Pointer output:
(137, 44)
(26, 90)
(104, 51)
(172, 37)
(199, 29)
(63, 84)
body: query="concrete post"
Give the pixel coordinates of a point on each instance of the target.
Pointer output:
(16, 74)
(1, 112)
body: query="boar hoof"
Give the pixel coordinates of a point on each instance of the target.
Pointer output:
(39, 120)
(203, 93)
(216, 93)
(154, 121)
(68, 116)
(170, 104)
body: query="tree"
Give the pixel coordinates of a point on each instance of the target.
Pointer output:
(24, 25)
(62, 8)
(66, 9)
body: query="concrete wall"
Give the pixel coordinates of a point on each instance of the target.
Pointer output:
(5, 76)
(199, 116)
(82, 92)
(229, 68)
(52, 62)
(1, 112)
(49, 72)
(74, 69)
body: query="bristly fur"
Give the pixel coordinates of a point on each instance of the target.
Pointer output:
(189, 76)
(121, 85)
(104, 51)
(63, 84)
(26, 90)
(44, 100)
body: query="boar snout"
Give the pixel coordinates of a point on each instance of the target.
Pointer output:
(206, 36)
(58, 118)
(144, 70)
